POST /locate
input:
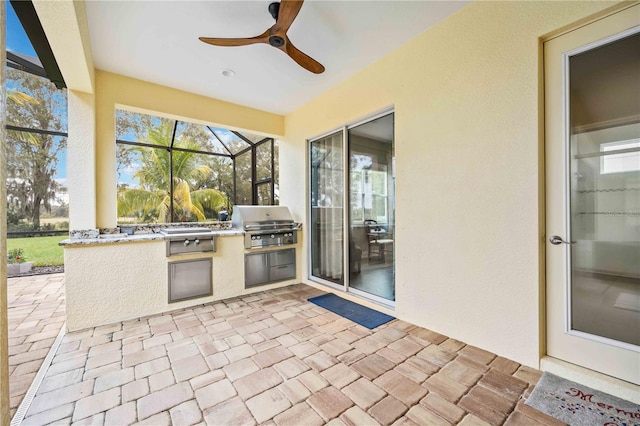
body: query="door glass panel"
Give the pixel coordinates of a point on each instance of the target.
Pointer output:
(605, 190)
(327, 197)
(371, 213)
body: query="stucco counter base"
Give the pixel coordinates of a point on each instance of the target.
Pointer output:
(113, 281)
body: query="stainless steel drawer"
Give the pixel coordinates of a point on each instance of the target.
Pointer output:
(269, 267)
(282, 272)
(282, 257)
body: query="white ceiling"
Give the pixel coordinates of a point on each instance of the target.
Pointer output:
(157, 41)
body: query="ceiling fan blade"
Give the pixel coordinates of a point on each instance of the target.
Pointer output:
(304, 60)
(262, 38)
(286, 14)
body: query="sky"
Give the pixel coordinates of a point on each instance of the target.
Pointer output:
(17, 41)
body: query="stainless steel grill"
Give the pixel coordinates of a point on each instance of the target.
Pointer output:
(265, 226)
(188, 240)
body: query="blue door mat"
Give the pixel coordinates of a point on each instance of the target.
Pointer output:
(357, 313)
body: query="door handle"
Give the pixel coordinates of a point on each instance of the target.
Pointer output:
(557, 240)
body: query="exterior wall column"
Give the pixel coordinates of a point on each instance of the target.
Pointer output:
(66, 27)
(81, 160)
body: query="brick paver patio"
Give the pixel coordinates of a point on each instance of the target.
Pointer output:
(36, 315)
(274, 358)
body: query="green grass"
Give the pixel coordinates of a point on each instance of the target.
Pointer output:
(42, 251)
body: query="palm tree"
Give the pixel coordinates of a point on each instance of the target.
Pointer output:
(19, 98)
(152, 200)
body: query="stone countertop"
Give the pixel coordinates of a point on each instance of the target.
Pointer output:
(124, 238)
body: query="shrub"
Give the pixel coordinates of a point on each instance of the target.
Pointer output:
(16, 256)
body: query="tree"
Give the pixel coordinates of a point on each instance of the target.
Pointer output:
(19, 98)
(152, 200)
(33, 158)
(133, 127)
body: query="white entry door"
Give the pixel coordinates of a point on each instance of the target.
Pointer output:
(592, 166)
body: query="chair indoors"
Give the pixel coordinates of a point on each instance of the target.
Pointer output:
(379, 241)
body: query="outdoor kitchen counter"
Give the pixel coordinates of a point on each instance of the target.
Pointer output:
(124, 238)
(120, 278)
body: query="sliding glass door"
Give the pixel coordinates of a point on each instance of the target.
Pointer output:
(358, 205)
(371, 208)
(327, 198)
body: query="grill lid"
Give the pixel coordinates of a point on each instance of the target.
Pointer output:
(186, 232)
(262, 217)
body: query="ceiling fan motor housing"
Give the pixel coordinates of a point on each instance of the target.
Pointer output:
(276, 41)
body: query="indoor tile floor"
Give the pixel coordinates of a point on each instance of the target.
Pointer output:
(605, 305)
(274, 358)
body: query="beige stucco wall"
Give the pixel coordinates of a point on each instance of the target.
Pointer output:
(468, 173)
(116, 91)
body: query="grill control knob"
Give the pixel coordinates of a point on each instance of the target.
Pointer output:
(273, 236)
(196, 242)
(186, 243)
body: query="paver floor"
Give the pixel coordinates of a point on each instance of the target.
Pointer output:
(36, 315)
(274, 358)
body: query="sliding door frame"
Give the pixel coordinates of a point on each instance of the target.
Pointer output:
(346, 217)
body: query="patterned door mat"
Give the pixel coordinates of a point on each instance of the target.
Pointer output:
(577, 404)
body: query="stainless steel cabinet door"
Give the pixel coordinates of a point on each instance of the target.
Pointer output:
(256, 269)
(189, 279)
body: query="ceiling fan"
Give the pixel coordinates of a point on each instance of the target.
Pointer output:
(284, 13)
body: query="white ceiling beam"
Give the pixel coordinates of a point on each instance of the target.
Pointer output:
(66, 26)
